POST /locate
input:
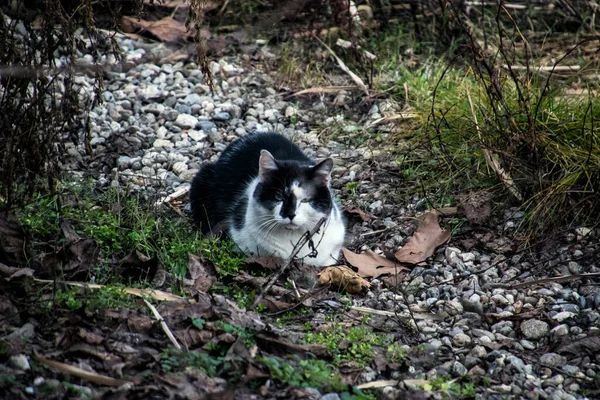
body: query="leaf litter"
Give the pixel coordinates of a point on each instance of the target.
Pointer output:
(115, 347)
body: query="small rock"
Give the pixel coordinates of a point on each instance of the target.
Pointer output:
(179, 167)
(19, 362)
(553, 360)
(563, 315)
(534, 329)
(458, 369)
(197, 136)
(560, 330)
(221, 116)
(205, 125)
(186, 121)
(163, 143)
(123, 162)
(192, 99)
(461, 340)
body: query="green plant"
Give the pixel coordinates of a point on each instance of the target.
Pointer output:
(174, 360)
(304, 373)
(358, 343)
(395, 353)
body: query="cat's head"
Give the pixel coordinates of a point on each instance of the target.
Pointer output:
(293, 194)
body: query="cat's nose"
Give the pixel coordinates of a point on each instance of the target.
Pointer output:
(291, 216)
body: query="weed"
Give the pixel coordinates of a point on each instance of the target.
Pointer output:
(173, 360)
(349, 345)
(306, 373)
(450, 388)
(395, 353)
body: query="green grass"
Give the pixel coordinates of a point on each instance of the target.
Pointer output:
(120, 223)
(359, 343)
(545, 141)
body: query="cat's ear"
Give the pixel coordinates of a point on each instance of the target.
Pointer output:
(266, 164)
(323, 170)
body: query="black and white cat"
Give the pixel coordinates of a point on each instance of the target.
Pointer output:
(265, 193)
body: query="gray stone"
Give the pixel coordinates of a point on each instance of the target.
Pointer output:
(186, 121)
(458, 369)
(206, 126)
(20, 362)
(560, 330)
(563, 315)
(535, 329)
(183, 109)
(553, 360)
(192, 99)
(150, 93)
(179, 167)
(221, 116)
(197, 136)
(123, 162)
(163, 143)
(461, 340)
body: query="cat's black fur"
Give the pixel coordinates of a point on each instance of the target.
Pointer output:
(217, 194)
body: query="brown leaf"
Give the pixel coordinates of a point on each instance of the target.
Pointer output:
(15, 272)
(371, 265)
(283, 346)
(165, 30)
(357, 211)
(343, 278)
(266, 262)
(79, 254)
(425, 240)
(139, 323)
(475, 205)
(137, 266)
(274, 305)
(202, 273)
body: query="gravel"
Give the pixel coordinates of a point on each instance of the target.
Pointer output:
(159, 124)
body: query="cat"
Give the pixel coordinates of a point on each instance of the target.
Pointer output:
(265, 193)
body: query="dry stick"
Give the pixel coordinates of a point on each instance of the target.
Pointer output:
(303, 240)
(163, 324)
(359, 82)
(493, 163)
(544, 68)
(555, 279)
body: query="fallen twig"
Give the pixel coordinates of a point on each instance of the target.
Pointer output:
(323, 89)
(163, 324)
(288, 262)
(543, 68)
(359, 82)
(81, 373)
(148, 293)
(175, 195)
(555, 279)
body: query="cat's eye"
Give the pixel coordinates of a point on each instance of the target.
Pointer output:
(307, 200)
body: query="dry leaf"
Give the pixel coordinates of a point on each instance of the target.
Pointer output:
(202, 273)
(371, 265)
(425, 240)
(365, 217)
(165, 30)
(475, 205)
(344, 278)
